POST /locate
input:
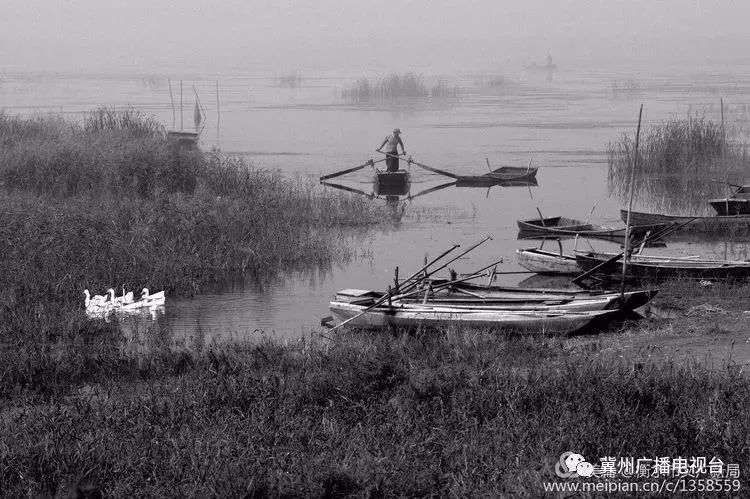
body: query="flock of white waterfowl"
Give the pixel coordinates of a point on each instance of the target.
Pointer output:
(103, 306)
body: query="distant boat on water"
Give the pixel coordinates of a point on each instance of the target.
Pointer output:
(550, 66)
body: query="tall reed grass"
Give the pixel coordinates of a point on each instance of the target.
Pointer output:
(108, 202)
(677, 161)
(396, 86)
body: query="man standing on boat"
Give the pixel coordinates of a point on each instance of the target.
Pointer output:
(391, 143)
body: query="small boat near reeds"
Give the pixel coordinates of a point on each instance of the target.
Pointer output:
(407, 315)
(698, 224)
(662, 268)
(550, 227)
(738, 203)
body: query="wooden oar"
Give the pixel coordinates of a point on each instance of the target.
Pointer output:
(430, 168)
(345, 188)
(432, 189)
(350, 170)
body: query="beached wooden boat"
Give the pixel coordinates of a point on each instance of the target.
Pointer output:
(630, 300)
(713, 224)
(404, 315)
(666, 268)
(547, 262)
(568, 227)
(464, 295)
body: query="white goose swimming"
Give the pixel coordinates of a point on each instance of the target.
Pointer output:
(153, 299)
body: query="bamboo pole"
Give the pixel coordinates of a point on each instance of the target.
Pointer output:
(218, 117)
(630, 205)
(171, 99)
(180, 104)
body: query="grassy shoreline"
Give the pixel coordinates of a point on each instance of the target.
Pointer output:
(464, 412)
(454, 412)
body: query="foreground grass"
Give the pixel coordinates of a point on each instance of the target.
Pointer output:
(452, 412)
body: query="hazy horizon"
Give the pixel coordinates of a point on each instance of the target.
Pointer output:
(157, 37)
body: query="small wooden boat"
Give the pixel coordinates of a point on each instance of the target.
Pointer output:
(713, 224)
(391, 183)
(498, 175)
(183, 138)
(405, 315)
(662, 268)
(569, 227)
(738, 203)
(547, 262)
(464, 296)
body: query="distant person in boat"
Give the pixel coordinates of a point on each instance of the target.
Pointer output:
(391, 143)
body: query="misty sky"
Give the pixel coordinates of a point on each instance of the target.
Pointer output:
(279, 35)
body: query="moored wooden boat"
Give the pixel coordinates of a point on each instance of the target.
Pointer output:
(738, 203)
(712, 224)
(666, 268)
(547, 262)
(465, 295)
(409, 316)
(569, 227)
(498, 175)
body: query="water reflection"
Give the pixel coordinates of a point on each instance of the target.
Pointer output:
(396, 195)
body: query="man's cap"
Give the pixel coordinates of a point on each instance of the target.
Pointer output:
(396, 130)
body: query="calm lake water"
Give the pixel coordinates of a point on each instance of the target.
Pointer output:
(561, 121)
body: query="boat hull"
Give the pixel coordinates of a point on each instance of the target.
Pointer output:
(561, 322)
(500, 175)
(667, 269)
(547, 262)
(715, 224)
(391, 183)
(568, 227)
(730, 206)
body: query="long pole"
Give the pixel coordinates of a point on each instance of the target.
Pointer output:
(218, 117)
(171, 99)
(630, 204)
(180, 104)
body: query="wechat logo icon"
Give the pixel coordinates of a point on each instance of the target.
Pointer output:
(572, 465)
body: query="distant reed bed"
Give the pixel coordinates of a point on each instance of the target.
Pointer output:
(677, 161)
(397, 85)
(491, 80)
(449, 413)
(108, 202)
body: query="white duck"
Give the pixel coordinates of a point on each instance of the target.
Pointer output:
(93, 301)
(152, 299)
